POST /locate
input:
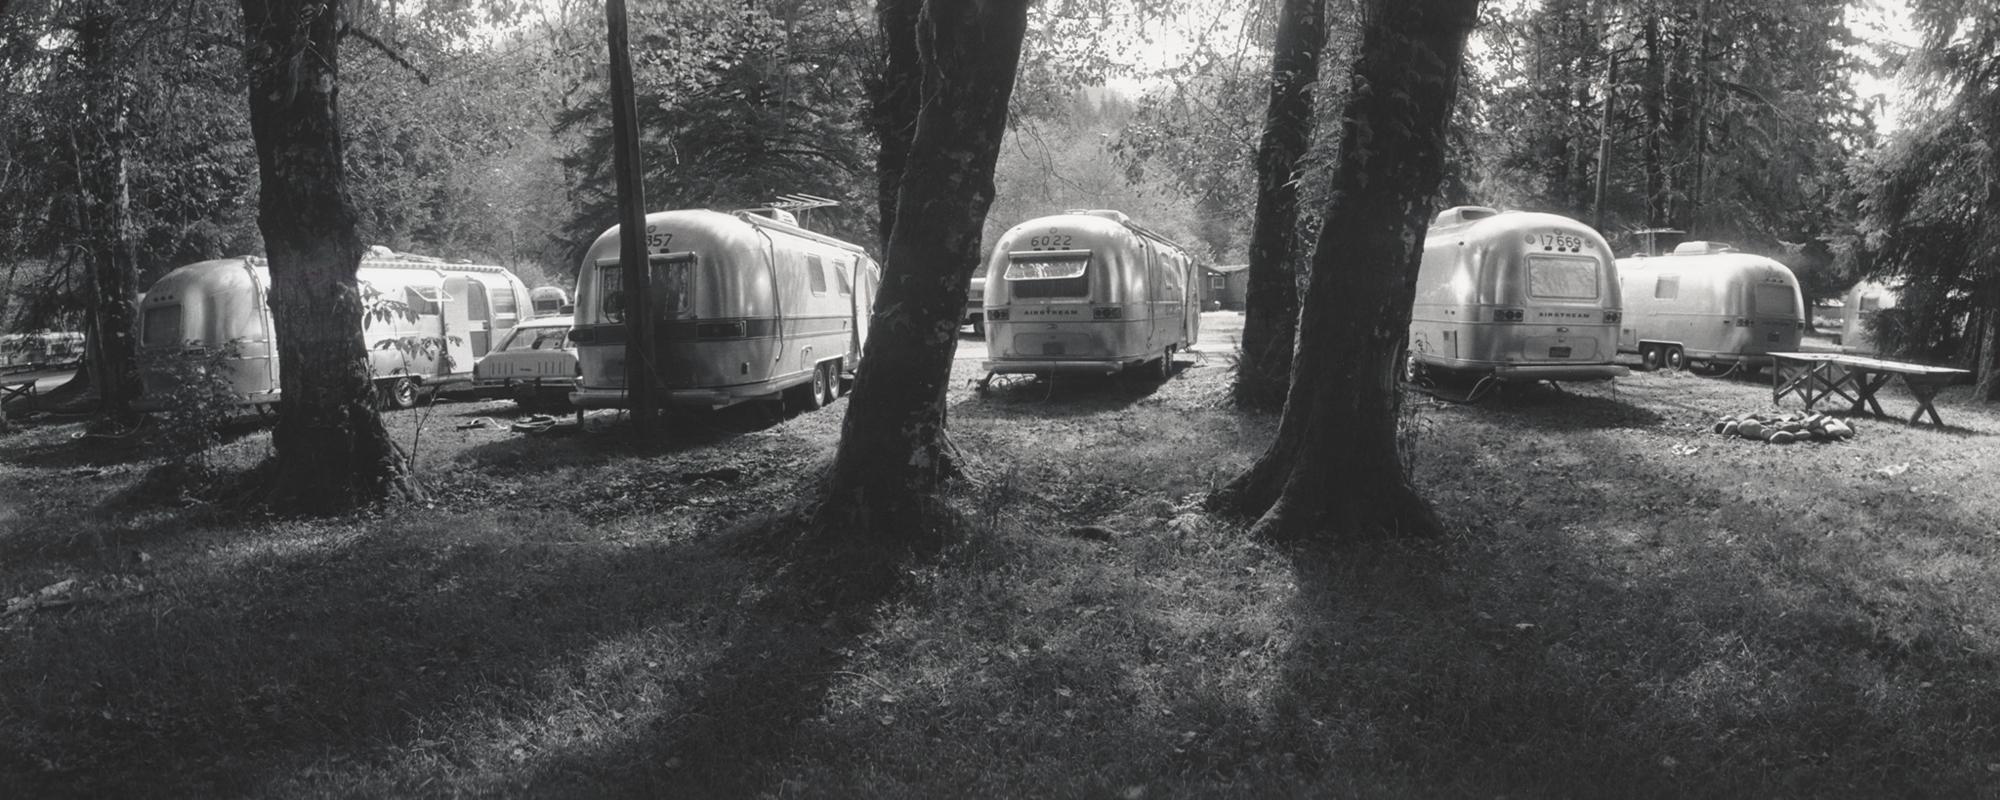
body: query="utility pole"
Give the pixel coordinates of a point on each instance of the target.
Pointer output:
(634, 261)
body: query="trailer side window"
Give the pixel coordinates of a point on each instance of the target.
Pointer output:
(506, 308)
(161, 327)
(1562, 278)
(1870, 303)
(1667, 288)
(841, 280)
(424, 299)
(1217, 282)
(816, 273)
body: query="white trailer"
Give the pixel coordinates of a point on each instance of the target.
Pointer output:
(1862, 303)
(747, 307)
(1088, 292)
(1708, 305)
(427, 322)
(1515, 296)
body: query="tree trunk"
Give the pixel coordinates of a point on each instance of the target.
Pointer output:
(879, 500)
(1334, 471)
(1270, 319)
(896, 101)
(1655, 94)
(333, 453)
(113, 262)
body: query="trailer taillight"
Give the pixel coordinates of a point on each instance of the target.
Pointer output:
(996, 315)
(1509, 314)
(1613, 317)
(1107, 312)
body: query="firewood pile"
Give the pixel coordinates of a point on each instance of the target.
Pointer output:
(1785, 428)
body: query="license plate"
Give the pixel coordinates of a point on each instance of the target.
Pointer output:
(1558, 352)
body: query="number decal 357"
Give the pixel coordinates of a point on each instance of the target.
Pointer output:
(1053, 240)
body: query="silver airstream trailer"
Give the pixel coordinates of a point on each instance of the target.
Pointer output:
(1708, 305)
(1088, 292)
(428, 322)
(549, 301)
(1517, 296)
(748, 306)
(1863, 302)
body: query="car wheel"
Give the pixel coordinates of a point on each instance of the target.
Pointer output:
(398, 393)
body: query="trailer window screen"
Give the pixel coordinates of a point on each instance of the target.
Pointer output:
(816, 273)
(162, 326)
(1870, 303)
(672, 285)
(1772, 300)
(1035, 275)
(505, 306)
(1668, 287)
(535, 338)
(840, 279)
(1562, 278)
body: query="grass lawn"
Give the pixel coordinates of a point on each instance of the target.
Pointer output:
(1628, 606)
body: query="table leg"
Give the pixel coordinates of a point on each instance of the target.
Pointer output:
(1924, 391)
(1865, 385)
(1798, 382)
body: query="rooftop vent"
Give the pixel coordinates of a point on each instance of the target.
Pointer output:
(1702, 248)
(1462, 214)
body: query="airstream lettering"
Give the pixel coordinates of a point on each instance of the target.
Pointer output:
(1088, 292)
(1709, 305)
(428, 322)
(1517, 296)
(748, 306)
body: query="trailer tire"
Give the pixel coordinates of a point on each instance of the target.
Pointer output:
(979, 327)
(1676, 359)
(809, 396)
(829, 382)
(1649, 358)
(397, 393)
(1165, 371)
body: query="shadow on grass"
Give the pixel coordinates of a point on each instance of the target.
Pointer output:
(78, 447)
(1550, 407)
(1587, 644)
(391, 656)
(1068, 395)
(607, 436)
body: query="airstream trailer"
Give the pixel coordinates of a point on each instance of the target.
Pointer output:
(21, 351)
(1863, 302)
(1088, 292)
(549, 301)
(1517, 296)
(428, 322)
(748, 307)
(1709, 305)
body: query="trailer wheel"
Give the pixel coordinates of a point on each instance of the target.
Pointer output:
(979, 327)
(829, 382)
(1165, 372)
(810, 395)
(1676, 359)
(398, 393)
(1649, 357)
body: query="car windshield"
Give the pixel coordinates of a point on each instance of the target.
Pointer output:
(535, 338)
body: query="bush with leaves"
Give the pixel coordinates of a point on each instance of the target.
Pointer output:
(200, 399)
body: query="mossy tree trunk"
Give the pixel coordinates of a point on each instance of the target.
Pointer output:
(333, 453)
(106, 182)
(1270, 318)
(879, 500)
(895, 98)
(1334, 471)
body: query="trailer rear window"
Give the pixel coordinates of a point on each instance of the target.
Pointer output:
(1038, 275)
(161, 327)
(672, 285)
(1773, 300)
(1562, 278)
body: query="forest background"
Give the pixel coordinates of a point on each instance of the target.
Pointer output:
(478, 129)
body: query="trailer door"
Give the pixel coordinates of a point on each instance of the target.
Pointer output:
(479, 317)
(456, 327)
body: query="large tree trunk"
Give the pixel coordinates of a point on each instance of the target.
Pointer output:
(333, 453)
(1270, 321)
(1334, 471)
(879, 500)
(896, 102)
(114, 261)
(1655, 101)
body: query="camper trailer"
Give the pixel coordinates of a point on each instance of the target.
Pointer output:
(549, 301)
(1862, 303)
(1708, 306)
(1516, 296)
(427, 322)
(1088, 292)
(748, 306)
(24, 351)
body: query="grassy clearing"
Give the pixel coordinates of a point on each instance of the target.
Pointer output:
(1629, 606)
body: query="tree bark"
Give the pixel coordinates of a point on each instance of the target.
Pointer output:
(114, 260)
(1655, 99)
(333, 453)
(879, 499)
(896, 102)
(1334, 472)
(1270, 319)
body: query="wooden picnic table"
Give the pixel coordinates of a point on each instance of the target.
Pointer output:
(1817, 376)
(14, 390)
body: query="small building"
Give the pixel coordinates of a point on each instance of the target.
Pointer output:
(1228, 285)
